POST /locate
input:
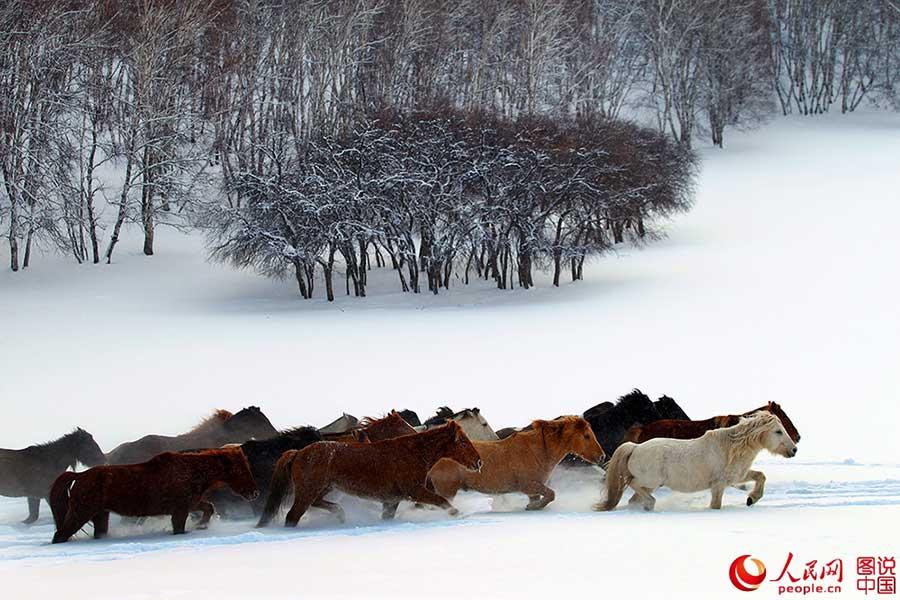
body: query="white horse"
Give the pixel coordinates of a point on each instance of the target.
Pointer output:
(473, 424)
(718, 459)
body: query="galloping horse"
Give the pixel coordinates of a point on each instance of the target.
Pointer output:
(470, 419)
(686, 430)
(718, 459)
(171, 483)
(389, 471)
(522, 462)
(30, 472)
(219, 429)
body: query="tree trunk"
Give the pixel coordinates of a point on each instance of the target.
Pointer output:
(147, 204)
(13, 233)
(123, 200)
(299, 275)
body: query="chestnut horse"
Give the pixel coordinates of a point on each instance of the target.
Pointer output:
(390, 471)
(688, 430)
(522, 462)
(168, 484)
(219, 429)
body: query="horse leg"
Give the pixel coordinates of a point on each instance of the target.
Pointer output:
(34, 509)
(759, 479)
(303, 499)
(717, 490)
(179, 520)
(644, 496)
(333, 507)
(539, 495)
(389, 510)
(101, 524)
(208, 510)
(426, 496)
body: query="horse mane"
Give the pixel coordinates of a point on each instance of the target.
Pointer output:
(556, 425)
(632, 398)
(298, 431)
(426, 437)
(442, 415)
(66, 437)
(218, 417)
(369, 421)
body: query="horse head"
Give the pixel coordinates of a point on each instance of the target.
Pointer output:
(461, 448)
(410, 417)
(574, 435)
(475, 425)
(86, 450)
(773, 435)
(250, 422)
(238, 475)
(639, 407)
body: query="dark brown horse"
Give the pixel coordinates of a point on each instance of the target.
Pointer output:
(389, 471)
(171, 483)
(31, 471)
(688, 430)
(219, 429)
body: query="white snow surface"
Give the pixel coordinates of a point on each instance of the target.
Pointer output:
(780, 285)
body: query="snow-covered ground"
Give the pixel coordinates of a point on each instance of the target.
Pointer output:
(780, 285)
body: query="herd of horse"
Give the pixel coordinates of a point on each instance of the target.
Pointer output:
(233, 462)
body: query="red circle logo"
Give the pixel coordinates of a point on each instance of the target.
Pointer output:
(743, 579)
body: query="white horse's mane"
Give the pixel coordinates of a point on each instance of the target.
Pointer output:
(746, 437)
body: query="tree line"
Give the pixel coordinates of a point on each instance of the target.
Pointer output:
(191, 113)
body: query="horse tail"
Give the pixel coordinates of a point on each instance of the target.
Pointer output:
(281, 481)
(617, 476)
(59, 496)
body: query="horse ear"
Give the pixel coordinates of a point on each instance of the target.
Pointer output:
(476, 410)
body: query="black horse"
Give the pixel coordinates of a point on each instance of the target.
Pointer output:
(610, 421)
(262, 456)
(669, 409)
(31, 471)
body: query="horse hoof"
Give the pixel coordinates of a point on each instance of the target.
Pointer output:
(750, 501)
(453, 512)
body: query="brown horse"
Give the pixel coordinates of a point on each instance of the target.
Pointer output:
(688, 430)
(168, 484)
(217, 430)
(522, 462)
(390, 471)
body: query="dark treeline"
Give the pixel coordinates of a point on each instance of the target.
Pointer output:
(187, 113)
(443, 192)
